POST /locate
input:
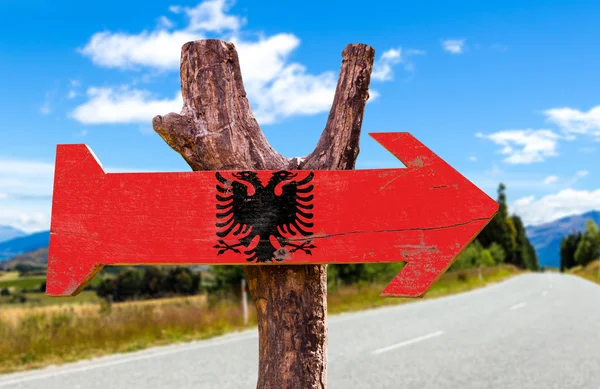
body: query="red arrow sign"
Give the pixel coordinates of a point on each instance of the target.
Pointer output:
(424, 215)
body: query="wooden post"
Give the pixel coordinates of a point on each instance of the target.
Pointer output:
(216, 130)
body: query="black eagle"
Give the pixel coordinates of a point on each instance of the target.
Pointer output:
(264, 214)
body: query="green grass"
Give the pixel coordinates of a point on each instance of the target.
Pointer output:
(49, 335)
(589, 272)
(40, 299)
(367, 296)
(9, 275)
(23, 282)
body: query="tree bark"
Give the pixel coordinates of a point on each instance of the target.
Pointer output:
(216, 131)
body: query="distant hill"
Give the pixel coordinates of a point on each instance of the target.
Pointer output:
(8, 233)
(37, 258)
(24, 244)
(546, 238)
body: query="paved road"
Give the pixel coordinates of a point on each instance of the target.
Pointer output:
(532, 331)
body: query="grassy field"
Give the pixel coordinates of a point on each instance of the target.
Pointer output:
(28, 286)
(8, 276)
(589, 272)
(38, 336)
(23, 282)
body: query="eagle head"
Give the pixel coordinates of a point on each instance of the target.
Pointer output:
(282, 175)
(247, 176)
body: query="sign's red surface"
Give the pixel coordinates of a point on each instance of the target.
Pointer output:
(424, 215)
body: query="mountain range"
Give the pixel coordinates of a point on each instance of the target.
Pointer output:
(8, 233)
(24, 244)
(546, 238)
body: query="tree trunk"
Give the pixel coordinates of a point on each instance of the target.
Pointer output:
(216, 131)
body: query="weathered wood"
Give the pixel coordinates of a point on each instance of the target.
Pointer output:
(217, 131)
(424, 215)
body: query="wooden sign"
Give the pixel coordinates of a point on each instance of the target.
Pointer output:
(424, 215)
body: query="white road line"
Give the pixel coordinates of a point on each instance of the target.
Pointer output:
(544, 293)
(517, 306)
(407, 342)
(92, 365)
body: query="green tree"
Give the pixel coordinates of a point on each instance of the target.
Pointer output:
(587, 249)
(484, 259)
(497, 253)
(524, 254)
(469, 257)
(227, 279)
(568, 246)
(5, 292)
(153, 282)
(181, 280)
(499, 229)
(128, 285)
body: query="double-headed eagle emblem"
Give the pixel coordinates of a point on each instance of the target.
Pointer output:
(266, 224)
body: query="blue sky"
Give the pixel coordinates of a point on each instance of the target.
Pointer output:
(504, 92)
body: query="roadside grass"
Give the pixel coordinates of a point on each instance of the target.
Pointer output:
(8, 275)
(34, 337)
(28, 286)
(23, 282)
(589, 272)
(41, 299)
(362, 297)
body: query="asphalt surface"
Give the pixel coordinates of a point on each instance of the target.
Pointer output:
(532, 331)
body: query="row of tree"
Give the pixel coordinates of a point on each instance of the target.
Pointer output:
(579, 249)
(503, 240)
(149, 282)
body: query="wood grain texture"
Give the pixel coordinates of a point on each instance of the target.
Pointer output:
(216, 130)
(425, 215)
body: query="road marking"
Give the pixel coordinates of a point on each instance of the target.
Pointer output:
(407, 342)
(544, 293)
(517, 306)
(92, 365)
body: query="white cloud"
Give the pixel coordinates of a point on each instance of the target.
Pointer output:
(573, 121)
(582, 173)
(294, 92)
(525, 146)
(210, 16)
(165, 23)
(106, 105)
(550, 180)
(37, 218)
(454, 46)
(276, 87)
(554, 206)
(382, 68)
(26, 190)
(158, 49)
(473, 158)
